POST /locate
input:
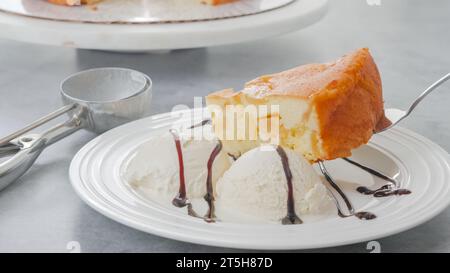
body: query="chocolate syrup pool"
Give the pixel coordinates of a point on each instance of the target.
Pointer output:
(389, 189)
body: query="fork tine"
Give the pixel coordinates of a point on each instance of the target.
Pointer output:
(427, 91)
(397, 115)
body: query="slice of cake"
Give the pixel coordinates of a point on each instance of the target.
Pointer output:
(322, 111)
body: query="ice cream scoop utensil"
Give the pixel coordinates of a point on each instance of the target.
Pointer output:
(96, 100)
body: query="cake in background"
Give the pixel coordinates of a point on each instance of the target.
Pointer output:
(217, 2)
(74, 2)
(90, 2)
(324, 110)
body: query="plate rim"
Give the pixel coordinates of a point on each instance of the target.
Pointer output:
(73, 173)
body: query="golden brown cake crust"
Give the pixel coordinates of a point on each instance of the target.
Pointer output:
(307, 80)
(350, 106)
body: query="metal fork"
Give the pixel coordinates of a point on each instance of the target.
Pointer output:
(395, 116)
(330, 180)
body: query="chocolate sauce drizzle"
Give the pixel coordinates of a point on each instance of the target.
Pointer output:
(363, 215)
(232, 156)
(291, 218)
(180, 199)
(371, 171)
(201, 123)
(384, 191)
(209, 197)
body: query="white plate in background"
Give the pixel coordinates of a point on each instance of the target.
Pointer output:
(162, 36)
(139, 11)
(420, 165)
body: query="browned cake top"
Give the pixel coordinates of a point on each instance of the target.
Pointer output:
(307, 80)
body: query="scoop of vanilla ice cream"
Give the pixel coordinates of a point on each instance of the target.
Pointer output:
(256, 187)
(154, 167)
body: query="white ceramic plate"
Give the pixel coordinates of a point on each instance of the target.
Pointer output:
(162, 36)
(139, 11)
(418, 164)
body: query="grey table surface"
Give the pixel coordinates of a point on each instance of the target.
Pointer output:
(41, 212)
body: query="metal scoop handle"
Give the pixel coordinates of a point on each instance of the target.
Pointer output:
(5, 140)
(27, 148)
